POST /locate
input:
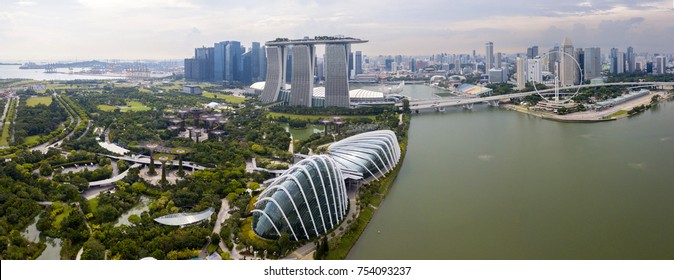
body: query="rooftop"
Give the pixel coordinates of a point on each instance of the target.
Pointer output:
(318, 40)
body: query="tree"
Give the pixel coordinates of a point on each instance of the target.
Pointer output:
(134, 219)
(138, 187)
(257, 149)
(45, 169)
(406, 106)
(81, 183)
(93, 250)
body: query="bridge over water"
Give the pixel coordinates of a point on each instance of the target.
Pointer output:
(438, 103)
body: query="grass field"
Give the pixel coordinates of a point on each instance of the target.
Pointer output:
(4, 137)
(227, 98)
(59, 217)
(107, 108)
(33, 101)
(617, 114)
(312, 118)
(32, 140)
(135, 106)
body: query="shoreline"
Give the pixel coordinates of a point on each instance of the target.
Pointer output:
(614, 113)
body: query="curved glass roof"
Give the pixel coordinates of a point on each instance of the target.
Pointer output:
(373, 153)
(181, 219)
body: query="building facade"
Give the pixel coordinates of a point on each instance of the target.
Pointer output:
(302, 75)
(336, 84)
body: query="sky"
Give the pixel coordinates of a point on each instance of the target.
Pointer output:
(171, 29)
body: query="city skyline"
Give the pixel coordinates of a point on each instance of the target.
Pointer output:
(150, 29)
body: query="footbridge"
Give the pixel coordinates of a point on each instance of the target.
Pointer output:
(145, 160)
(467, 102)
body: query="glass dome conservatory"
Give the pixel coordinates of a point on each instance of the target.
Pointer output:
(373, 153)
(306, 201)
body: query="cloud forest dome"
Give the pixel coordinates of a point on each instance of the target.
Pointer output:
(373, 153)
(310, 198)
(306, 201)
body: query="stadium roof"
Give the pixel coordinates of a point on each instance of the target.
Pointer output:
(181, 219)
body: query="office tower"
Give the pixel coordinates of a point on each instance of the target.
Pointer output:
(553, 59)
(202, 67)
(302, 75)
(219, 61)
(521, 72)
(489, 57)
(388, 65)
(660, 65)
(233, 62)
(413, 65)
(568, 66)
(263, 63)
(535, 70)
(247, 73)
(359, 62)
(496, 75)
(457, 66)
(592, 68)
(275, 79)
(498, 60)
(613, 59)
(620, 63)
(629, 67)
(337, 84)
(532, 52)
(649, 67)
(351, 72)
(579, 55)
(254, 61)
(191, 69)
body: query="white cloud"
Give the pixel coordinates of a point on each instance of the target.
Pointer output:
(25, 3)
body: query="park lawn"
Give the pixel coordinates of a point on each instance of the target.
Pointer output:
(135, 106)
(34, 101)
(312, 118)
(5, 135)
(144, 90)
(93, 204)
(227, 98)
(107, 108)
(59, 217)
(32, 140)
(617, 114)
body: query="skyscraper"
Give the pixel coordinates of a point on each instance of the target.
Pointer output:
(620, 63)
(337, 84)
(302, 75)
(489, 57)
(660, 65)
(219, 61)
(275, 79)
(630, 63)
(592, 63)
(532, 52)
(359, 62)
(535, 70)
(254, 61)
(233, 62)
(568, 66)
(263, 63)
(613, 58)
(498, 60)
(521, 72)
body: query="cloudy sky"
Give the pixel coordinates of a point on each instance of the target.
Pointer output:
(170, 29)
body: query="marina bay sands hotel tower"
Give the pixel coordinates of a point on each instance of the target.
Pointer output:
(337, 50)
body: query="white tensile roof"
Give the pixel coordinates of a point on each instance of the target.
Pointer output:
(181, 219)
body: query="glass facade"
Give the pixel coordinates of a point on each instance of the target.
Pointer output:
(306, 201)
(372, 153)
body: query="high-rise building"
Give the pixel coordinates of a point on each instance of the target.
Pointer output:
(660, 65)
(359, 62)
(613, 59)
(489, 57)
(202, 65)
(568, 66)
(630, 62)
(275, 79)
(580, 58)
(535, 70)
(263, 63)
(620, 63)
(255, 61)
(247, 73)
(457, 66)
(496, 75)
(388, 64)
(302, 75)
(289, 65)
(592, 63)
(553, 58)
(337, 84)
(521, 72)
(532, 52)
(233, 62)
(219, 61)
(498, 60)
